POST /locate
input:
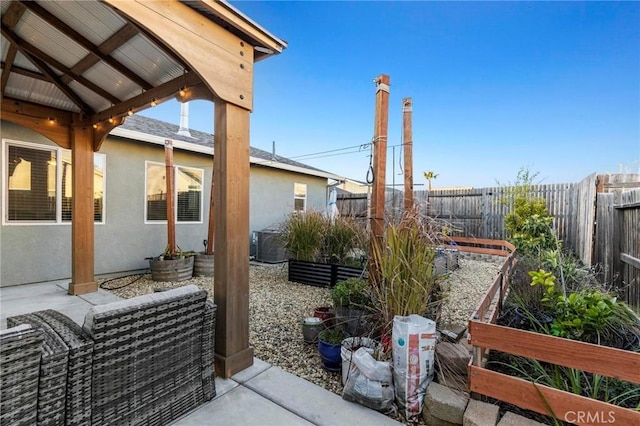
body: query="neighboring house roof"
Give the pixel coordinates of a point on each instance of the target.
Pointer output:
(137, 127)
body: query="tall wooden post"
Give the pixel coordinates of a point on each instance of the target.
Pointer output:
(407, 132)
(379, 157)
(82, 222)
(231, 257)
(171, 213)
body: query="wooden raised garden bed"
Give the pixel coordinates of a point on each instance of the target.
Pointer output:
(486, 335)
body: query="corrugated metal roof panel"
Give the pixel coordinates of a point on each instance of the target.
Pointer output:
(146, 60)
(38, 91)
(38, 32)
(112, 81)
(4, 48)
(94, 20)
(97, 102)
(22, 62)
(4, 5)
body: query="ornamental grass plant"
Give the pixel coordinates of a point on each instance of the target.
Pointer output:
(303, 234)
(311, 236)
(403, 274)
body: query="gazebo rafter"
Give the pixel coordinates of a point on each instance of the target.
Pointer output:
(76, 71)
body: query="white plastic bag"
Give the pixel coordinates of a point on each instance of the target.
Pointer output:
(370, 383)
(413, 346)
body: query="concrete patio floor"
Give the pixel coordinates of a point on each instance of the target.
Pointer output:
(260, 395)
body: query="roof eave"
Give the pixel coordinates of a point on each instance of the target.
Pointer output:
(265, 43)
(194, 147)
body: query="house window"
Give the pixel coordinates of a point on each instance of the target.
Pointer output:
(299, 197)
(187, 196)
(39, 184)
(189, 189)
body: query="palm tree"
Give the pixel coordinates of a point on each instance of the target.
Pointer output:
(430, 175)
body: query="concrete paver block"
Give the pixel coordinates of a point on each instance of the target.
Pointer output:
(512, 419)
(453, 356)
(434, 421)
(480, 413)
(445, 404)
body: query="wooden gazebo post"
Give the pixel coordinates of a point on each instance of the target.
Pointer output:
(225, 63)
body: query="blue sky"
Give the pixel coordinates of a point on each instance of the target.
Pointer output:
(552, 86)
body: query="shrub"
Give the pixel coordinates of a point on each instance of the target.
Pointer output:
(589, 315)
(529, 226)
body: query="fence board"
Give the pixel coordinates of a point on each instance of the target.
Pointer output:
(564, 405)
(570, 353)
(596, 226)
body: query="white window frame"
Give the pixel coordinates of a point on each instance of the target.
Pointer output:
(175, 194)
(58, 152)
(296, 197)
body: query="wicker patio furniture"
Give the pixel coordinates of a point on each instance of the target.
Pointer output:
(52, 379)
(20, 354)
(146, 360)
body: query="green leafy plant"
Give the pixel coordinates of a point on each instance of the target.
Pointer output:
(351, 292)
(403, 274)
(529, 226)
(588, 315)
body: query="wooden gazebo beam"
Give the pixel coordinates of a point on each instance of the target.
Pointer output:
(224, 62)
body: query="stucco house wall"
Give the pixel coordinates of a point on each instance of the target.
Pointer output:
(42, 252)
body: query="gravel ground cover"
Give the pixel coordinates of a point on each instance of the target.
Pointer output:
(277, 307)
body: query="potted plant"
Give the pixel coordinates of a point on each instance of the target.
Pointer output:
(203, 264)
(329, 344)
(351, 298)
(174, 264)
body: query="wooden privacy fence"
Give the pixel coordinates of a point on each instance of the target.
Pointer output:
(597, 218)
(485, 335)
(618, 242)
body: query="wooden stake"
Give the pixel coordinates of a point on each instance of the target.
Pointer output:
(171, 218)
(407, 112)
(212, 216)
